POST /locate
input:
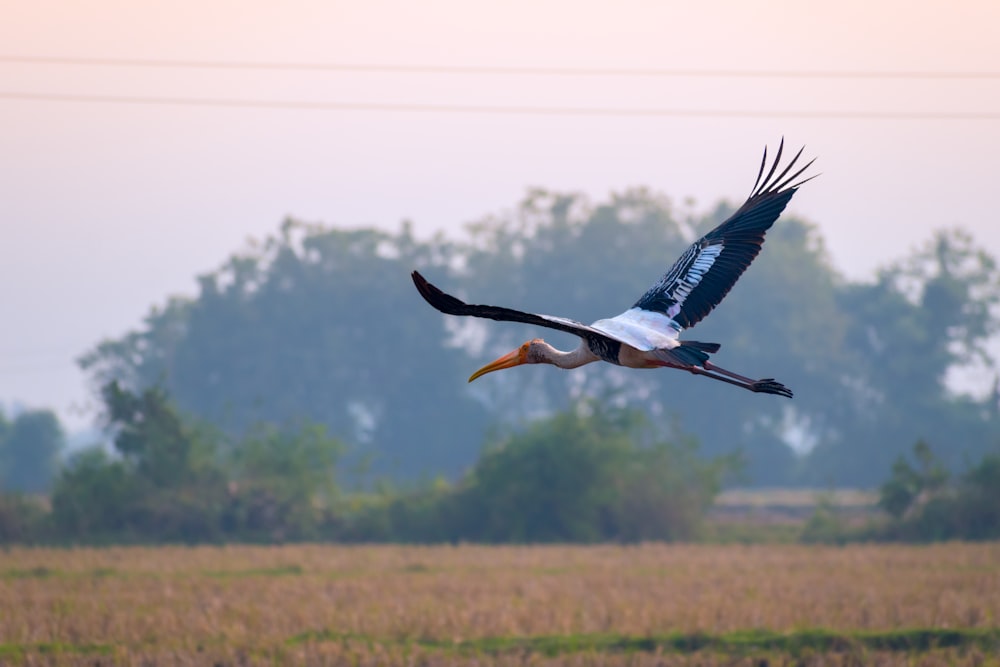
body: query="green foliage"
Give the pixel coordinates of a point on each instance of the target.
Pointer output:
(282, 482)
(825, 526)
(926, 503)
(171, 479)
(594, 472)
(29, 451)
(908, 483)
(155, 442)
(557, 481)
(429, 513)
(978, 500)
(21, 519)
(586, 474)
(93, 497)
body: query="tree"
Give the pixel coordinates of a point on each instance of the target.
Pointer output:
(155, 441)
(29, 451)
(164, 484)
(319, 325)
(924, 316)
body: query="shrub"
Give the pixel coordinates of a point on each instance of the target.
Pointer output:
(926, 504)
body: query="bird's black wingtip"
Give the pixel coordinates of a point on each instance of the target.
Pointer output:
(435, 297)
(428, 291)
(776, 183)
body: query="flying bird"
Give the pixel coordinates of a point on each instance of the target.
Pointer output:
(647, 335)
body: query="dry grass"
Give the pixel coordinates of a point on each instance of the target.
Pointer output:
(373, 605)
(796, 498)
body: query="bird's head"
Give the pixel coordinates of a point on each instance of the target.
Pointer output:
(531, 352)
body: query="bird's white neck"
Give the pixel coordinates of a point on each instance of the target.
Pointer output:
(573, 359)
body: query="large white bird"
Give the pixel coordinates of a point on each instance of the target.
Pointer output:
(647, 335)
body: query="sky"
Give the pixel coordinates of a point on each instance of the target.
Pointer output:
(119, 184)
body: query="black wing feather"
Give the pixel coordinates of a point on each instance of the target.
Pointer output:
(450, 305)
(707, 270)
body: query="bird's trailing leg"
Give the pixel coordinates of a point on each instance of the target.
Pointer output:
(765, 386)
(671, 359)
(709, 366)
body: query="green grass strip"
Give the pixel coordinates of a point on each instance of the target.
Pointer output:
(279, 571)
(916, 640)
(42, 572)
(18, 651)
(742, 642)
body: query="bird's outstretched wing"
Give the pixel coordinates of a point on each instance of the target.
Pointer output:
(705, 273)
(450, 305)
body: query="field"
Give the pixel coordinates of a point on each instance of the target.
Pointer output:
(556, 605)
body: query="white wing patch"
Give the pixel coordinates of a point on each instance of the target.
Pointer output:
(699, 267)
(563, 320)
(642, 329)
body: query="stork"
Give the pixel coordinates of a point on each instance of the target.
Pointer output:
(647, 335)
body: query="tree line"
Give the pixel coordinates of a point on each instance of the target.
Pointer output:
(592, 473)
(307, 392)
(322, 325)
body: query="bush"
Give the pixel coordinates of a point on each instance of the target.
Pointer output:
(430, 513)
(21, 518)
(926, 504)
(93, 496)
(588, 474)
(591, 473)
(282, 483)
(825, 526)
(170, 479)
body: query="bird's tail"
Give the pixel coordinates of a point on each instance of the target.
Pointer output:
(691, 352)
(711, 348)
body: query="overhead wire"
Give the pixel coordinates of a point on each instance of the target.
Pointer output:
(500, 70)
(497, 109)
(495, 70)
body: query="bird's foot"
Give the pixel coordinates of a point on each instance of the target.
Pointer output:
(771, 386)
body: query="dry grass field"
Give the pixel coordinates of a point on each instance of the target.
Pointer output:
(625, 605)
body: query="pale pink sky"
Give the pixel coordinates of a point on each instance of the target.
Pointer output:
(106, 209)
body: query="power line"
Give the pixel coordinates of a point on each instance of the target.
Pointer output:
(502, 110)
(501, 70)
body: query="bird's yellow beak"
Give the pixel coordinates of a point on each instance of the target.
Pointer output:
(509, 360)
